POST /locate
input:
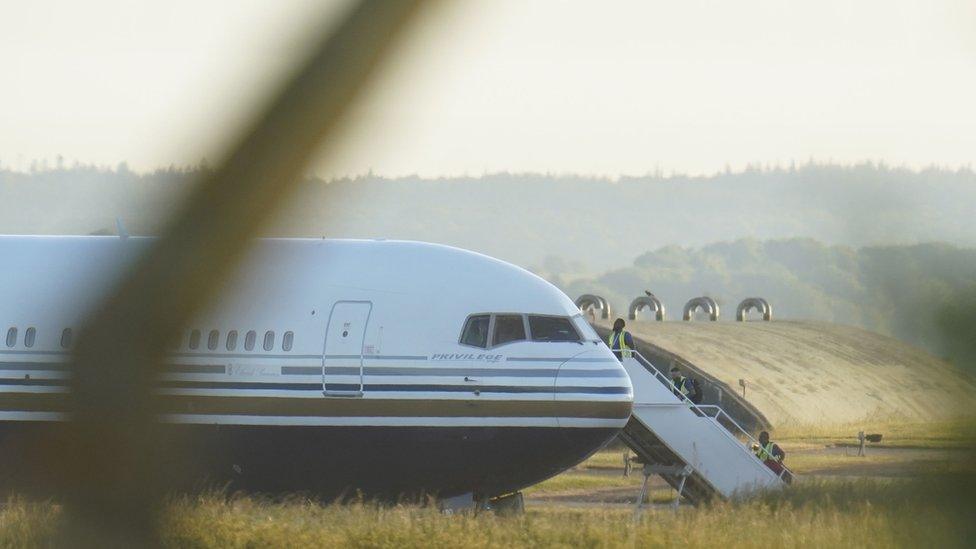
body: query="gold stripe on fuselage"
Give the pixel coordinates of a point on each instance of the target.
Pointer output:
(340, 407)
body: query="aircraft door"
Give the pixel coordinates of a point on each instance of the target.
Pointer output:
(342, 358)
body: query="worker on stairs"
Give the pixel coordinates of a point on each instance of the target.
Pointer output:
(620, 341)
(772, 455)
(685, 386)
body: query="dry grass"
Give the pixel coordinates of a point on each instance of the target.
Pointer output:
(605, 459)
(946, 434)
(930, 505)
(860, 514)
(874, 464)
(26, 524)
(580, 481)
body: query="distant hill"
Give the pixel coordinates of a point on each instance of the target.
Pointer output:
(573, 224)
(836, 243)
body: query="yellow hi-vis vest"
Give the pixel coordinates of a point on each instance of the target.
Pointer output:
(621, 340)
(766, 452)
(682, 385)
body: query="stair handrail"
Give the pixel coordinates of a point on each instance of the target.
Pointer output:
(731, 420)
(700, 411)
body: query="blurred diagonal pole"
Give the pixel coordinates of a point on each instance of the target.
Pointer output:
(110, 483)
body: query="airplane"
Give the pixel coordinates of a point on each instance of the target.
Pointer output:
(333, 367)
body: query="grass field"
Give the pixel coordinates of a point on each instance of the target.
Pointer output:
(875, 464)
(934, 512)
(604, 459)
(945, 434)
(572, 480)
(918, 494)
(856, 514)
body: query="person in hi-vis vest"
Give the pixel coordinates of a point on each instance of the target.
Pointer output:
(772, 455)
(682, 385)
(620, 341)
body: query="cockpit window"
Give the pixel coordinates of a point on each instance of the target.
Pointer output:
(475, 331)
(584, 328)
(508, 328)
(552, 328)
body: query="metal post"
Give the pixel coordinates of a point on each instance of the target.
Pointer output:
(681, 488)
(112, 485)
(643, 494)
(679, 471)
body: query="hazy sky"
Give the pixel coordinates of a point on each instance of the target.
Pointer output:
(589, 87)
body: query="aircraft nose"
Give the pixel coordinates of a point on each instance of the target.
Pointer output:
(593, 390)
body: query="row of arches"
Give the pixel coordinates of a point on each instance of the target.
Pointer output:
(646, 301)
(705, 304)
(759, 304)
(594, 302)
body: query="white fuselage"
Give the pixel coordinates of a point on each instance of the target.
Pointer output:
(340, 342)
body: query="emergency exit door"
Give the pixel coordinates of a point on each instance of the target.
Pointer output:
(342, 359)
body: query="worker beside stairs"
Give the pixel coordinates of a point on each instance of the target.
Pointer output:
(620, 341)
(772, 455)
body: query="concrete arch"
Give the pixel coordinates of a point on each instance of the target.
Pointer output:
(587, 301)
(650, 302)
(704, 303)
(759, 304)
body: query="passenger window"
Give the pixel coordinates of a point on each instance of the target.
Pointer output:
(268, 340)
(287, 341)
(475, 331)
(231, 340)
(213, 339)
(29, 337)
(552, 328)
(11, 337)
(249, 340)
(66, 338)
(508, 328)
(194, 339)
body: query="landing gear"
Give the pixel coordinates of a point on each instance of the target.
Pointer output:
(507, 505)
(465, 503)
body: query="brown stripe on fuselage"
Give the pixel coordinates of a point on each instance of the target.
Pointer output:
(341, 407)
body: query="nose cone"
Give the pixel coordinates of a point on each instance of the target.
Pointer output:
(593, 391)
(593, 397)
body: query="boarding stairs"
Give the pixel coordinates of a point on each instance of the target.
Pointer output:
(699, 450)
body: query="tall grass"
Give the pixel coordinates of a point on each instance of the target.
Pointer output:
(935, 512)
(25, 523)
